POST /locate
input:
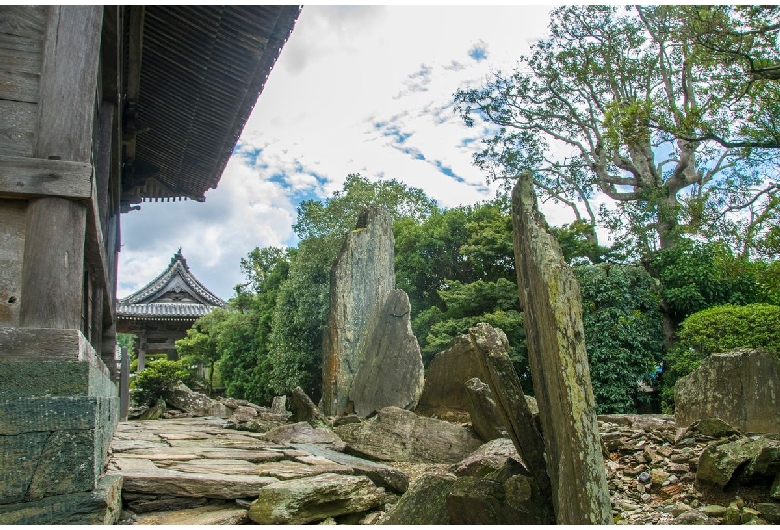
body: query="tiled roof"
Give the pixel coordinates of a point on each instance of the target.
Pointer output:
(164, 311)
(150, 302)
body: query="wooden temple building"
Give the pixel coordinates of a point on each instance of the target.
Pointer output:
(161, 312)
(101, 109)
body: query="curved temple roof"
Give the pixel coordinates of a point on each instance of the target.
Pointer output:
(176, 294)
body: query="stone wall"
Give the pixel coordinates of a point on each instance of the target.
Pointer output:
(58, 412)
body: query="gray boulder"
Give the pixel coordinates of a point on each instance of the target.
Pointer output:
(487, 459)
(360, 279)
(745, 460)
(155, 412)
(391, 373)
(399, 435)
(382, 475)
(424, 503)
(303, 433)
(182, 398)
(709, 428)
(316, 498)
(447, 375)
(741, 387)
(304, 409)
(508, 496)
(484, 414)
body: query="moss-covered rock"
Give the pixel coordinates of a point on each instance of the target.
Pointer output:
(423, 503)
(309, 499)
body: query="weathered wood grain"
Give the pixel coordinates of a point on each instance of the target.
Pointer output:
(69, 82)
(35, 177)
(21, 54)
(12, 226)
(17, 127)
(23, 21)
(53, 274)
(17, 86)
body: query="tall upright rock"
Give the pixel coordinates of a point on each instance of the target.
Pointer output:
(360, 280)
(550, 297)
(392, 373)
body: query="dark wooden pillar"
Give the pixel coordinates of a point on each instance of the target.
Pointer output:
(141, 339)
(52, 293)
(124, 385)
(53, 273)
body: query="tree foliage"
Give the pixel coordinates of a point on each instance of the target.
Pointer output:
(157, 380)
(623, 334)
(612, 103)
(695, 276)
(300, 315)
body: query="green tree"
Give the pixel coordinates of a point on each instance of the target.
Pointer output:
(302, 305)
(623, 332)
(607, 104)
(695, 276)
(199, 346)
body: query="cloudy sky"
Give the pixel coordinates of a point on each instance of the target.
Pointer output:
(357, 89)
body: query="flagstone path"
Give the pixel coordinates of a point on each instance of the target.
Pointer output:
(195, 471)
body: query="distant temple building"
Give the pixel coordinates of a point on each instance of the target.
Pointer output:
(160, 313)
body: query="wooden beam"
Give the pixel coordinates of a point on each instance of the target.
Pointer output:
(52, 277)
(53, 273)
(22, 177)
(96, 258)
(135, 55)
(68, 83)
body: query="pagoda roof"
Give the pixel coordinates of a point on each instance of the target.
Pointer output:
(176, 294)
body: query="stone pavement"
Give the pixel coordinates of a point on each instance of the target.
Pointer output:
(195, 471)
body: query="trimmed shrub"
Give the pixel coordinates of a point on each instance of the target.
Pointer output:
(716, 330)
(158, 379)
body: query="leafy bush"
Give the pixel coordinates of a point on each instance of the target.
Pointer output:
(158, 379)
(623, 332)
(715, 330)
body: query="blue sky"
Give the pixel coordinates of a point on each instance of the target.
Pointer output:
(357, 89)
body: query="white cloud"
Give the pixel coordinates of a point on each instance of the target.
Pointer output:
(344, 70)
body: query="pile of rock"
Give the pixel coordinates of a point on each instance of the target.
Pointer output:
(658, 476)
(241, 414)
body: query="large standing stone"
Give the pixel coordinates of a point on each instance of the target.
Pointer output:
(304, 500)
(741, 387)
(392, 373)
(448, 374)
(398, 435)
(360, 279)
(550, 297)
